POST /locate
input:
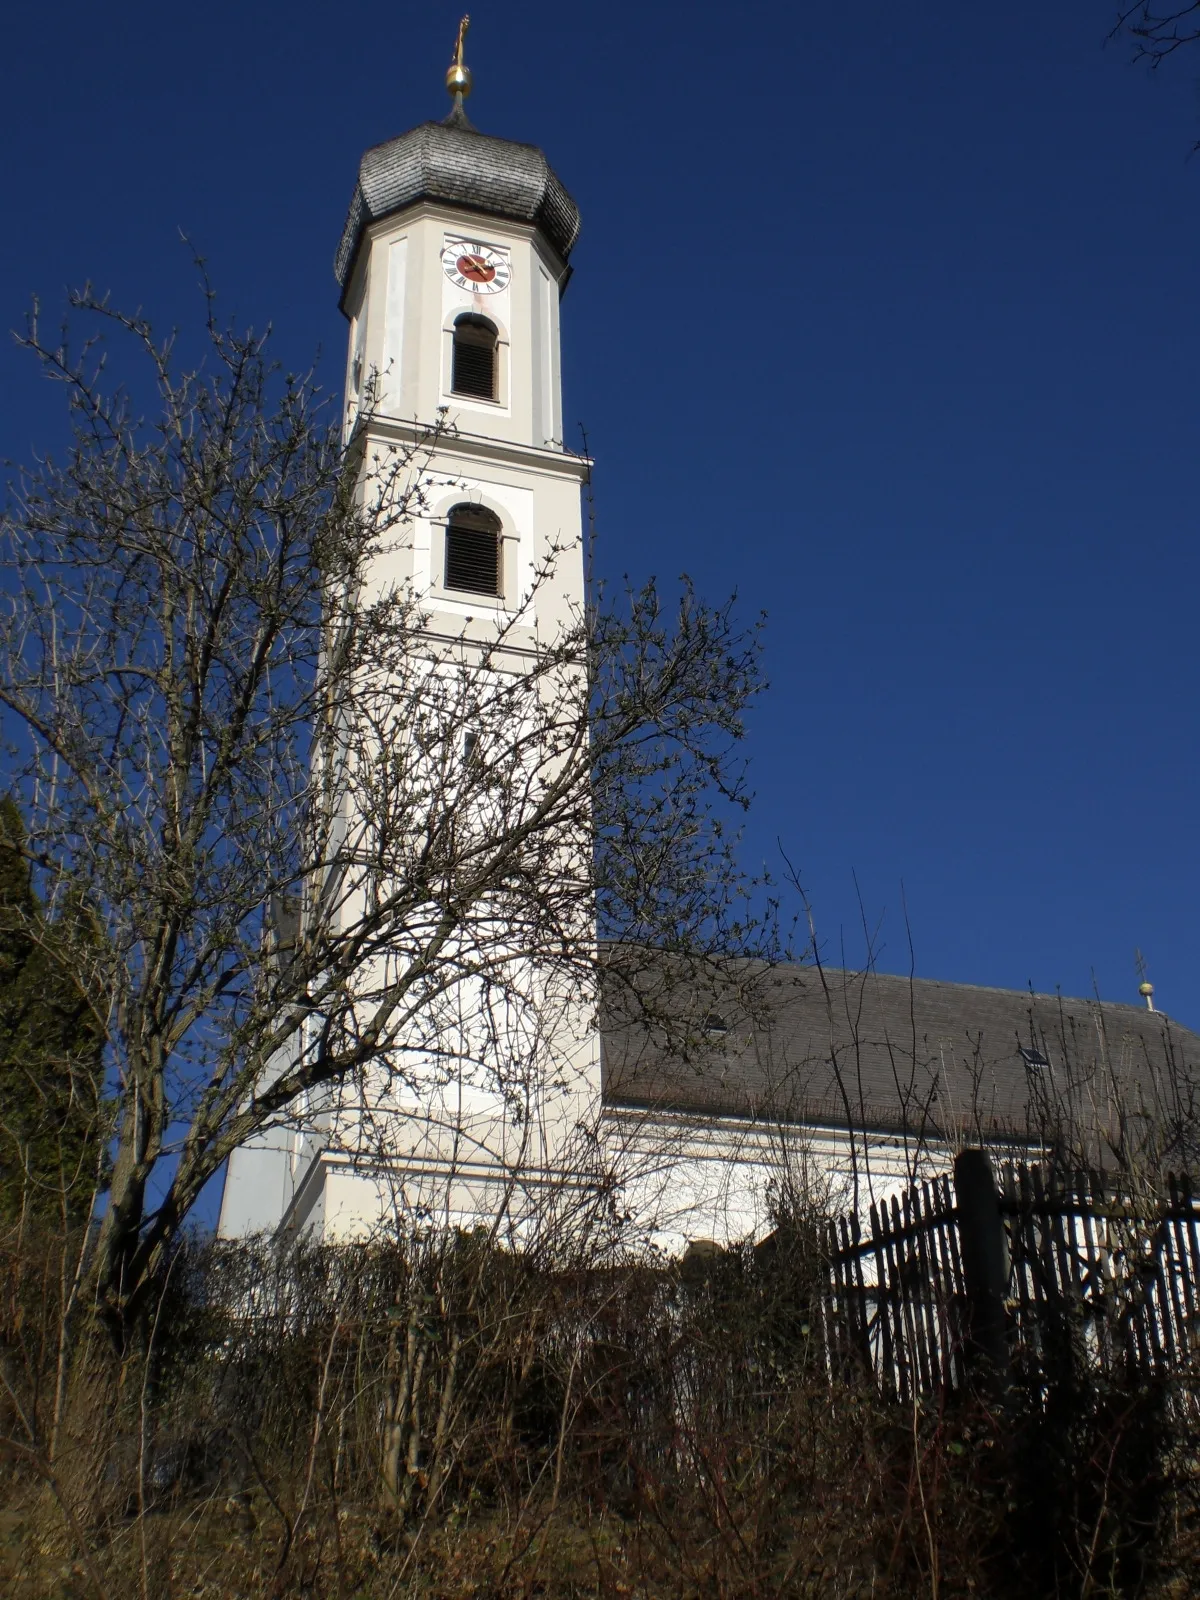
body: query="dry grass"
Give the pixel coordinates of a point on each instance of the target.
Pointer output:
(451, 1420)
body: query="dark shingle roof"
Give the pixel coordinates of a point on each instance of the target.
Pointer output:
(452, 162)
(869, 1050)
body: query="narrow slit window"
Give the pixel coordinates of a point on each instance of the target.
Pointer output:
(474, 360)
(473, 551)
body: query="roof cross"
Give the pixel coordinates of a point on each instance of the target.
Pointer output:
(458, 76)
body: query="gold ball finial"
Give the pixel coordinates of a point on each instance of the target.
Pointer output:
(458, 74)
(1145, 990)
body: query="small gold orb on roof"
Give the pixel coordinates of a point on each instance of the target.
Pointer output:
(1146, 989)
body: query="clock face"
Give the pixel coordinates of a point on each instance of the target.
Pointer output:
(474, 266)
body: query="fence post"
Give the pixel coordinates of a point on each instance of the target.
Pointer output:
(985, 1263)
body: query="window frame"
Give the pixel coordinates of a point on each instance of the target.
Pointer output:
(502, 374)
(487, 521)
(467, 320)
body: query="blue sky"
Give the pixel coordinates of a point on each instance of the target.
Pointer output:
(885, 317)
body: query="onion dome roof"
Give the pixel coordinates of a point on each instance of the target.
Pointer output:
(453, 162)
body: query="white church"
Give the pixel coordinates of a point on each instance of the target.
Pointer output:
(451, 270)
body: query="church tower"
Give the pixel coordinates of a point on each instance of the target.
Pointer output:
(451, 268)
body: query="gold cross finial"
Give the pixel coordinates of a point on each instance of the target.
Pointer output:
(458, 77)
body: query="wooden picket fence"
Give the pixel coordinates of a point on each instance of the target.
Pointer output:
(1120, 1275)
(1089, 1273)
(898, 1291)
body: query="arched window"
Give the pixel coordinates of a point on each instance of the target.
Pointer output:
(474, 362)
(473, 550)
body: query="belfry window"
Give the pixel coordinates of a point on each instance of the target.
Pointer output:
(474, 359)
(473, 550)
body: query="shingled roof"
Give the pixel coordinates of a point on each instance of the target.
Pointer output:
(453, 162)
(872, 1051)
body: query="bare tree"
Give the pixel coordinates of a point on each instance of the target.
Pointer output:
(1158, 31)
(314, 842)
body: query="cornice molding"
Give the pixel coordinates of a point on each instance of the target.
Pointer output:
(478, 1169)
(483, 447)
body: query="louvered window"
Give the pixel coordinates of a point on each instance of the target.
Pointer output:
(474, 370)
(473, 551)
